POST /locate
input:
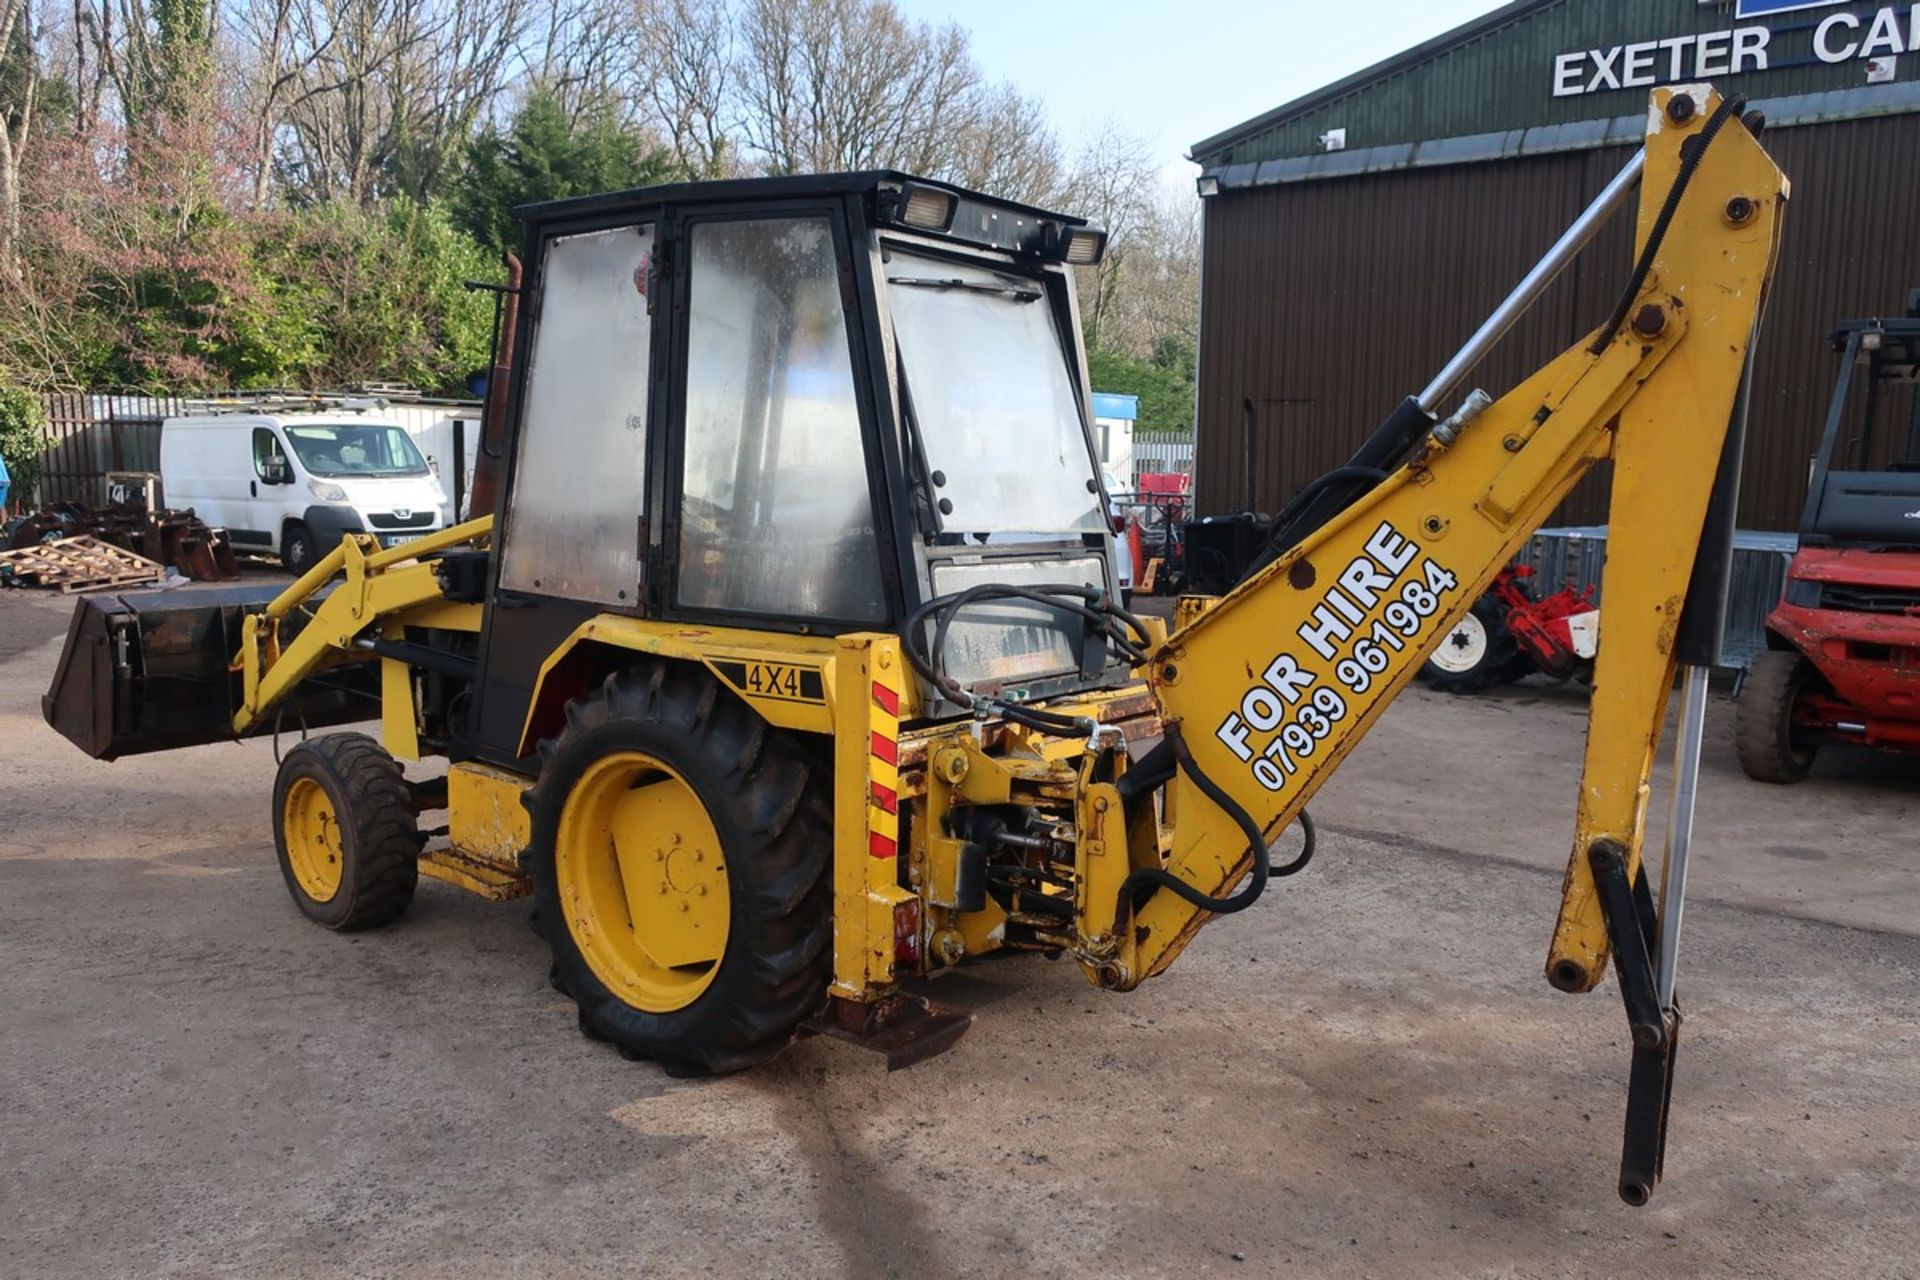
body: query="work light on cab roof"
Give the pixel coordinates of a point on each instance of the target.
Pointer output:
(925, 207)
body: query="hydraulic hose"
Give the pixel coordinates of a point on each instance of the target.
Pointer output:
(1690, 157)
(1288, 528)
(1094, 607)
(1256, 884)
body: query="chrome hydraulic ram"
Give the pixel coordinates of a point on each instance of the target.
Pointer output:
(1390, 444)
(1534, 283)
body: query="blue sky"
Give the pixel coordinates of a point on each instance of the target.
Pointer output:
(1175, 71)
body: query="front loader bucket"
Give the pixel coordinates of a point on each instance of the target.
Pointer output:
(151, 670)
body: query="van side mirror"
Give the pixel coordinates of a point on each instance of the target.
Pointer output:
(278, 471)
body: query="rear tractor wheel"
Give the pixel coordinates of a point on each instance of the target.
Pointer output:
(346, 832)
(1477, 654)
(679, 859)
(1772, 748)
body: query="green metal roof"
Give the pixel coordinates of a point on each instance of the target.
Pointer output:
(1497, 74)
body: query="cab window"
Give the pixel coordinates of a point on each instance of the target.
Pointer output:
(776, 516)
(575, 514)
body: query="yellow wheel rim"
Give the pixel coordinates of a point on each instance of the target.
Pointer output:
(312, 833)
(643, 881)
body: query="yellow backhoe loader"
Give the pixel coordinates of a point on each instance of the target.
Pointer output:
(788, 666)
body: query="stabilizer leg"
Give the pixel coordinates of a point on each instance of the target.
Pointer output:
(1633, 932)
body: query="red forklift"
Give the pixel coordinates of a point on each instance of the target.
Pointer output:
(1843, 645)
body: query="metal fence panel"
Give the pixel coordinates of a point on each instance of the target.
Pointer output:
(1162, 453)
(1574, 557)
(89, 434)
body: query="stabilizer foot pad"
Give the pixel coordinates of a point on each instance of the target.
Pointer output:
(904, 1028)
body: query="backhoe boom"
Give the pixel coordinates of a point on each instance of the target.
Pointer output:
(1273, 687)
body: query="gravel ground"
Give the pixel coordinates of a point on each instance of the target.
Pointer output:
(1366, 1075)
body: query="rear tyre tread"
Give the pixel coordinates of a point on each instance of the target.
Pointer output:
(774, 815)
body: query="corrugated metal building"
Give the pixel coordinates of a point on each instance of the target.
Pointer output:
(1355, 237)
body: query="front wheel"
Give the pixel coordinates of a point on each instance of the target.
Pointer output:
(679, 859)
(1476, 655)
(346, 832)
(296, 549)
(1771, 747)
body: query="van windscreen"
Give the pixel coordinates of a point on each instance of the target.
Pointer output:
(355, 449)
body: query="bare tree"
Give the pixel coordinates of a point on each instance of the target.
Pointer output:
(1153, 310)
(178, 104)
(853, 84)
(393, 91)
(1112, 185)
(158, 57)
(1007, 148)
(844, 84)
(277, 50)
(18, 93)
(339, 129)
(586, 53)
(684, 75)
(441, 87)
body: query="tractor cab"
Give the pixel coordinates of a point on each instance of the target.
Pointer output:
(805, 405)
(1865, 488)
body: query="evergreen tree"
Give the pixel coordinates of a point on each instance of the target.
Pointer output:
(545, 155)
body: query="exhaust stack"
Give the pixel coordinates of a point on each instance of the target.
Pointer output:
(493, 424)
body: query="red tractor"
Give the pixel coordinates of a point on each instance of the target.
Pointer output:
(1510, 634)
(1843, 645)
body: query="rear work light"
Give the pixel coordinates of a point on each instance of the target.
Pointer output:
(1084, 247)
(1075, 246)
(928, 208)
(906, 934)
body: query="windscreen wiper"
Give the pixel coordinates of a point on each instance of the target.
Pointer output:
(972, 286)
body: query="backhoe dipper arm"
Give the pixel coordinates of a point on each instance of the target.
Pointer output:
(1272, 688)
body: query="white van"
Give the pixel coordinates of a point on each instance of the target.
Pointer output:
(290, 484)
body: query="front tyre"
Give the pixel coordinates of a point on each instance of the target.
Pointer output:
(296, 549)
(346, 833)
(679, 859)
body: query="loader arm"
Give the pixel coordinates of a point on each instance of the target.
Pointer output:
(380, 594)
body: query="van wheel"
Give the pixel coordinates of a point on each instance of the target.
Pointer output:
(296, 549)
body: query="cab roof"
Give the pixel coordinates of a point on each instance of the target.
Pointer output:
(866, 182)
(972, 218)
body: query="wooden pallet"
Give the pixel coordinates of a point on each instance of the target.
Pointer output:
(78, 564)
